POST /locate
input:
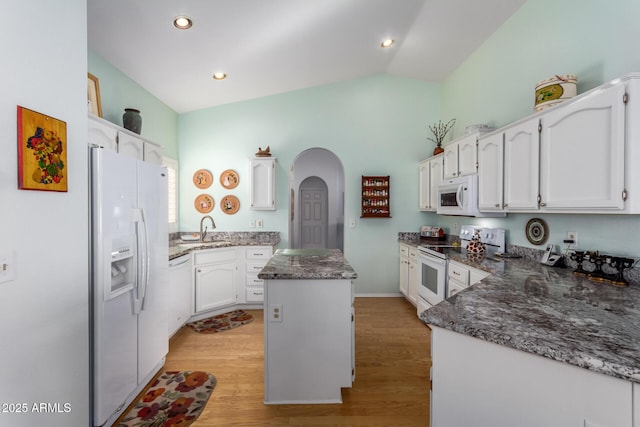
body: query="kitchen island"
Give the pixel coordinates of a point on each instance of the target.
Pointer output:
(308, 326)
(535, 345)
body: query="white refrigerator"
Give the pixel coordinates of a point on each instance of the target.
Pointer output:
(129, 262)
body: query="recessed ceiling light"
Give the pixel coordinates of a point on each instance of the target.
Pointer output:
(387, 43)
(219, 76)
(182, 22)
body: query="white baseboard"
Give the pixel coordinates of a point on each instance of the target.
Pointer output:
(380, 295)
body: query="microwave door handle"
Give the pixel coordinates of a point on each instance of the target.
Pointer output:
(459, 196)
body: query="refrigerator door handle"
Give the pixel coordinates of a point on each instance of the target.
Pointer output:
(146, 259)
(142, 260)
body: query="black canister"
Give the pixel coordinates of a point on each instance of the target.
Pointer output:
(132, 120)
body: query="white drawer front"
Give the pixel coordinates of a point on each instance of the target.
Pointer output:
(255, 267)
(259, 252)
(255, 294)
(413, 253)
(404, 250)
(214, 255)
(253, 280)
(460, 275)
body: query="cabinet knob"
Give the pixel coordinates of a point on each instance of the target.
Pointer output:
(505, 205)
(497, 205)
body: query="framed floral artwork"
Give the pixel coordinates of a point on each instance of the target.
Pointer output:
(42, 152)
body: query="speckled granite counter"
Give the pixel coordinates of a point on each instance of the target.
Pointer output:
(548, 312)
(288, 264)
(214, 240)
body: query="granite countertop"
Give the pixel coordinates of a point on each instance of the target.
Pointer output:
(549, 312)
(291, 264)
(215, 240)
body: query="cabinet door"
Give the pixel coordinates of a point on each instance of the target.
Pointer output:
(152, 153)
(424, 185)
(215, 286)
(521, 166)
(263, 184)
(435, 179)
(413, 276)
(490, 173)
(404, 276)
(130, 146)
(102, 135)
(582, 153)
(450, 165)
(468, 155)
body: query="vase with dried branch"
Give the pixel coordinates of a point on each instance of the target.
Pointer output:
(439, 131)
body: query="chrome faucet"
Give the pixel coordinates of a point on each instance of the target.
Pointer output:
(203, 233)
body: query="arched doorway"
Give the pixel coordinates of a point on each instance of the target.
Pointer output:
(316, 189)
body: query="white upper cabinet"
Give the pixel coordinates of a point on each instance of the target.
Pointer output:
(583, 153)
(102, 134)
(461, 156)
(113, 137)
(430, 171)
(582, 156)
(521, 166)
(491, 172)
(130, 145)
(263, 183)
(152, 153)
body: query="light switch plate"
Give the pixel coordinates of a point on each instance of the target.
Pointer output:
(7, 267)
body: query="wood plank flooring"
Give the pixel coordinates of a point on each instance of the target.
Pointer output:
(392, 372)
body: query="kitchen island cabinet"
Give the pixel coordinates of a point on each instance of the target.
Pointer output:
(309, 342)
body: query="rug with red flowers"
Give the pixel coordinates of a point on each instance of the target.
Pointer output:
(173, 399)
(221, 322)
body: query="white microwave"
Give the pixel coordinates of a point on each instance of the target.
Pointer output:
(459, 196)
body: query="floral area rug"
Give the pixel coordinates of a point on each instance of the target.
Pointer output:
(174, 399)
(221, 322)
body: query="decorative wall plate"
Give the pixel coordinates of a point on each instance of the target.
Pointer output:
(230, 204)
(537, 231)
(204, 203)
(229, 179)
(202, 178)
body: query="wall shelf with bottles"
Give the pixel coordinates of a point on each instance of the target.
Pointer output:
(375, 197)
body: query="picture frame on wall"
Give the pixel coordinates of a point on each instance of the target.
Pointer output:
(42, 152)
(93, 95)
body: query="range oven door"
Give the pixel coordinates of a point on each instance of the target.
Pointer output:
(432, 281)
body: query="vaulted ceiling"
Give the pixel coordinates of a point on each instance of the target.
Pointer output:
(268, 47)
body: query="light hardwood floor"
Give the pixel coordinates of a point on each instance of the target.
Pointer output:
(392, 372)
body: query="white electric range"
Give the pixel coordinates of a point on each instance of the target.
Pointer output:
(433, 262)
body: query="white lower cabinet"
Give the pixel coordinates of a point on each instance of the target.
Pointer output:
(404, 270)
(216, 272)
(478, 383)
(460, 276)
(256, 257)
(414, 265)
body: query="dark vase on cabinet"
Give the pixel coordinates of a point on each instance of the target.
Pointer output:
(375, 196)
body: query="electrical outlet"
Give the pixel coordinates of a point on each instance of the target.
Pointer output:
(275, 313)
(259, 223)
(352, 223)
(572, 235)
(455, 226)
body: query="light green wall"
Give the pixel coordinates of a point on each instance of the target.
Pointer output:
(594, 39)
(375, 125)
(117, 92)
